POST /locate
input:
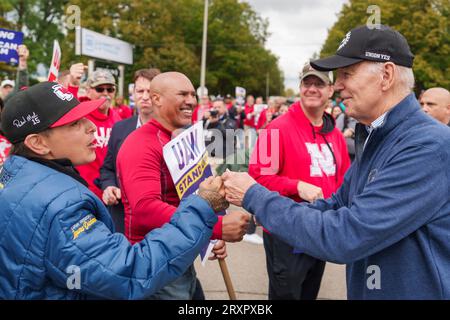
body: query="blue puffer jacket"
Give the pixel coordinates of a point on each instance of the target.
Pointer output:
(390, 220)
(56, 240)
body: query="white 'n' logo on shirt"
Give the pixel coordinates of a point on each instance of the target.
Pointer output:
(102, 136)
(321, 160)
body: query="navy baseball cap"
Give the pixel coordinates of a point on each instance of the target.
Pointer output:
(40, 107)
(380, 44)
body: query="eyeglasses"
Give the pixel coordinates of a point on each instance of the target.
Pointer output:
(102, 89)
(318, 85)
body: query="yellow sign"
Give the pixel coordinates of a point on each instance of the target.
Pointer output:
(190, 178)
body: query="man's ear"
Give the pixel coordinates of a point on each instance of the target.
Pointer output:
(37, 143)
(156, 99)
(331, 91)
(389, 72)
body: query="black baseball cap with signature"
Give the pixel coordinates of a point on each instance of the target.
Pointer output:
(379, 43)
(40, 107)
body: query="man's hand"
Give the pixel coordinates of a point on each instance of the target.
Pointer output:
(236, 185)
(23, 53)
(76, 73)
(349, 133)
(212, 190)
(111, 196)
(309, 192)
(219, 251)
(213, 118)
(234, 226)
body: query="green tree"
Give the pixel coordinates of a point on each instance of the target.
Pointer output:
(5, 7)
(236, 36)
(168, 35)
(289, 92)
(40, 21)
(165, 34)
(424, 23)
(236, 53)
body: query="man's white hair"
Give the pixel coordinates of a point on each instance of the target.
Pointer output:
(405, 75)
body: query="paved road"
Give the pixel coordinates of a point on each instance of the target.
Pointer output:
(247, 266)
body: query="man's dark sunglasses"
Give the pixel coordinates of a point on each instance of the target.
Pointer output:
(102, 89)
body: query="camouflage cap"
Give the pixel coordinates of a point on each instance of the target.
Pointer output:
(99, 77)
(326, 77)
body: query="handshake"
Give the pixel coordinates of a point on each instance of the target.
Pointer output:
(219, 192)
(231, 187)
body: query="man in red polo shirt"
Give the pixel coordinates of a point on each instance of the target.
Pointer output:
(148, 192)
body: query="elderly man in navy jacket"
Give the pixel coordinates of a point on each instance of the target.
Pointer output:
(108, 180)
(390, 220)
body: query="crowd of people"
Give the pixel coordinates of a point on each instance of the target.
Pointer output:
(355, 171)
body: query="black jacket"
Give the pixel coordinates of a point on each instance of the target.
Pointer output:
(108, 172)
(237, 117)
(119, 133)
(224, 129)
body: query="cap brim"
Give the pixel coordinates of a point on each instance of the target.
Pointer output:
(80, 111)
(99, 83)
(333, 63)
(321, 76)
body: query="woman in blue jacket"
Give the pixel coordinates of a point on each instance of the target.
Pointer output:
(56, 236)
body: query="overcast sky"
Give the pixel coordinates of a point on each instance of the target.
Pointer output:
(298, 29)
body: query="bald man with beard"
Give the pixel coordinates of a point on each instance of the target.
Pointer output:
(436, 103)
(149, 195)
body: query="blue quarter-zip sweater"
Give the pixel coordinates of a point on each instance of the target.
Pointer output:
(389, 221)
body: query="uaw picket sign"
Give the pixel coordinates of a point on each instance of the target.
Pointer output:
(187, 160)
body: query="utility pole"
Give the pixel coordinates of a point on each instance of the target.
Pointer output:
(204, 44)
(267, 86)
(121, 79)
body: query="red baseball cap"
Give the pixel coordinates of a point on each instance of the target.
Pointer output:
(78, 112)
(42, 106)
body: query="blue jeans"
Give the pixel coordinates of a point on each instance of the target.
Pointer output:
(182, 288)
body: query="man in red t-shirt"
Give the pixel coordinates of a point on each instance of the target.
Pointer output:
(249, 123)
(201, 111)
(101, 85)
(301, 155)
(148, 192)
(228, 101)
(123, 110)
